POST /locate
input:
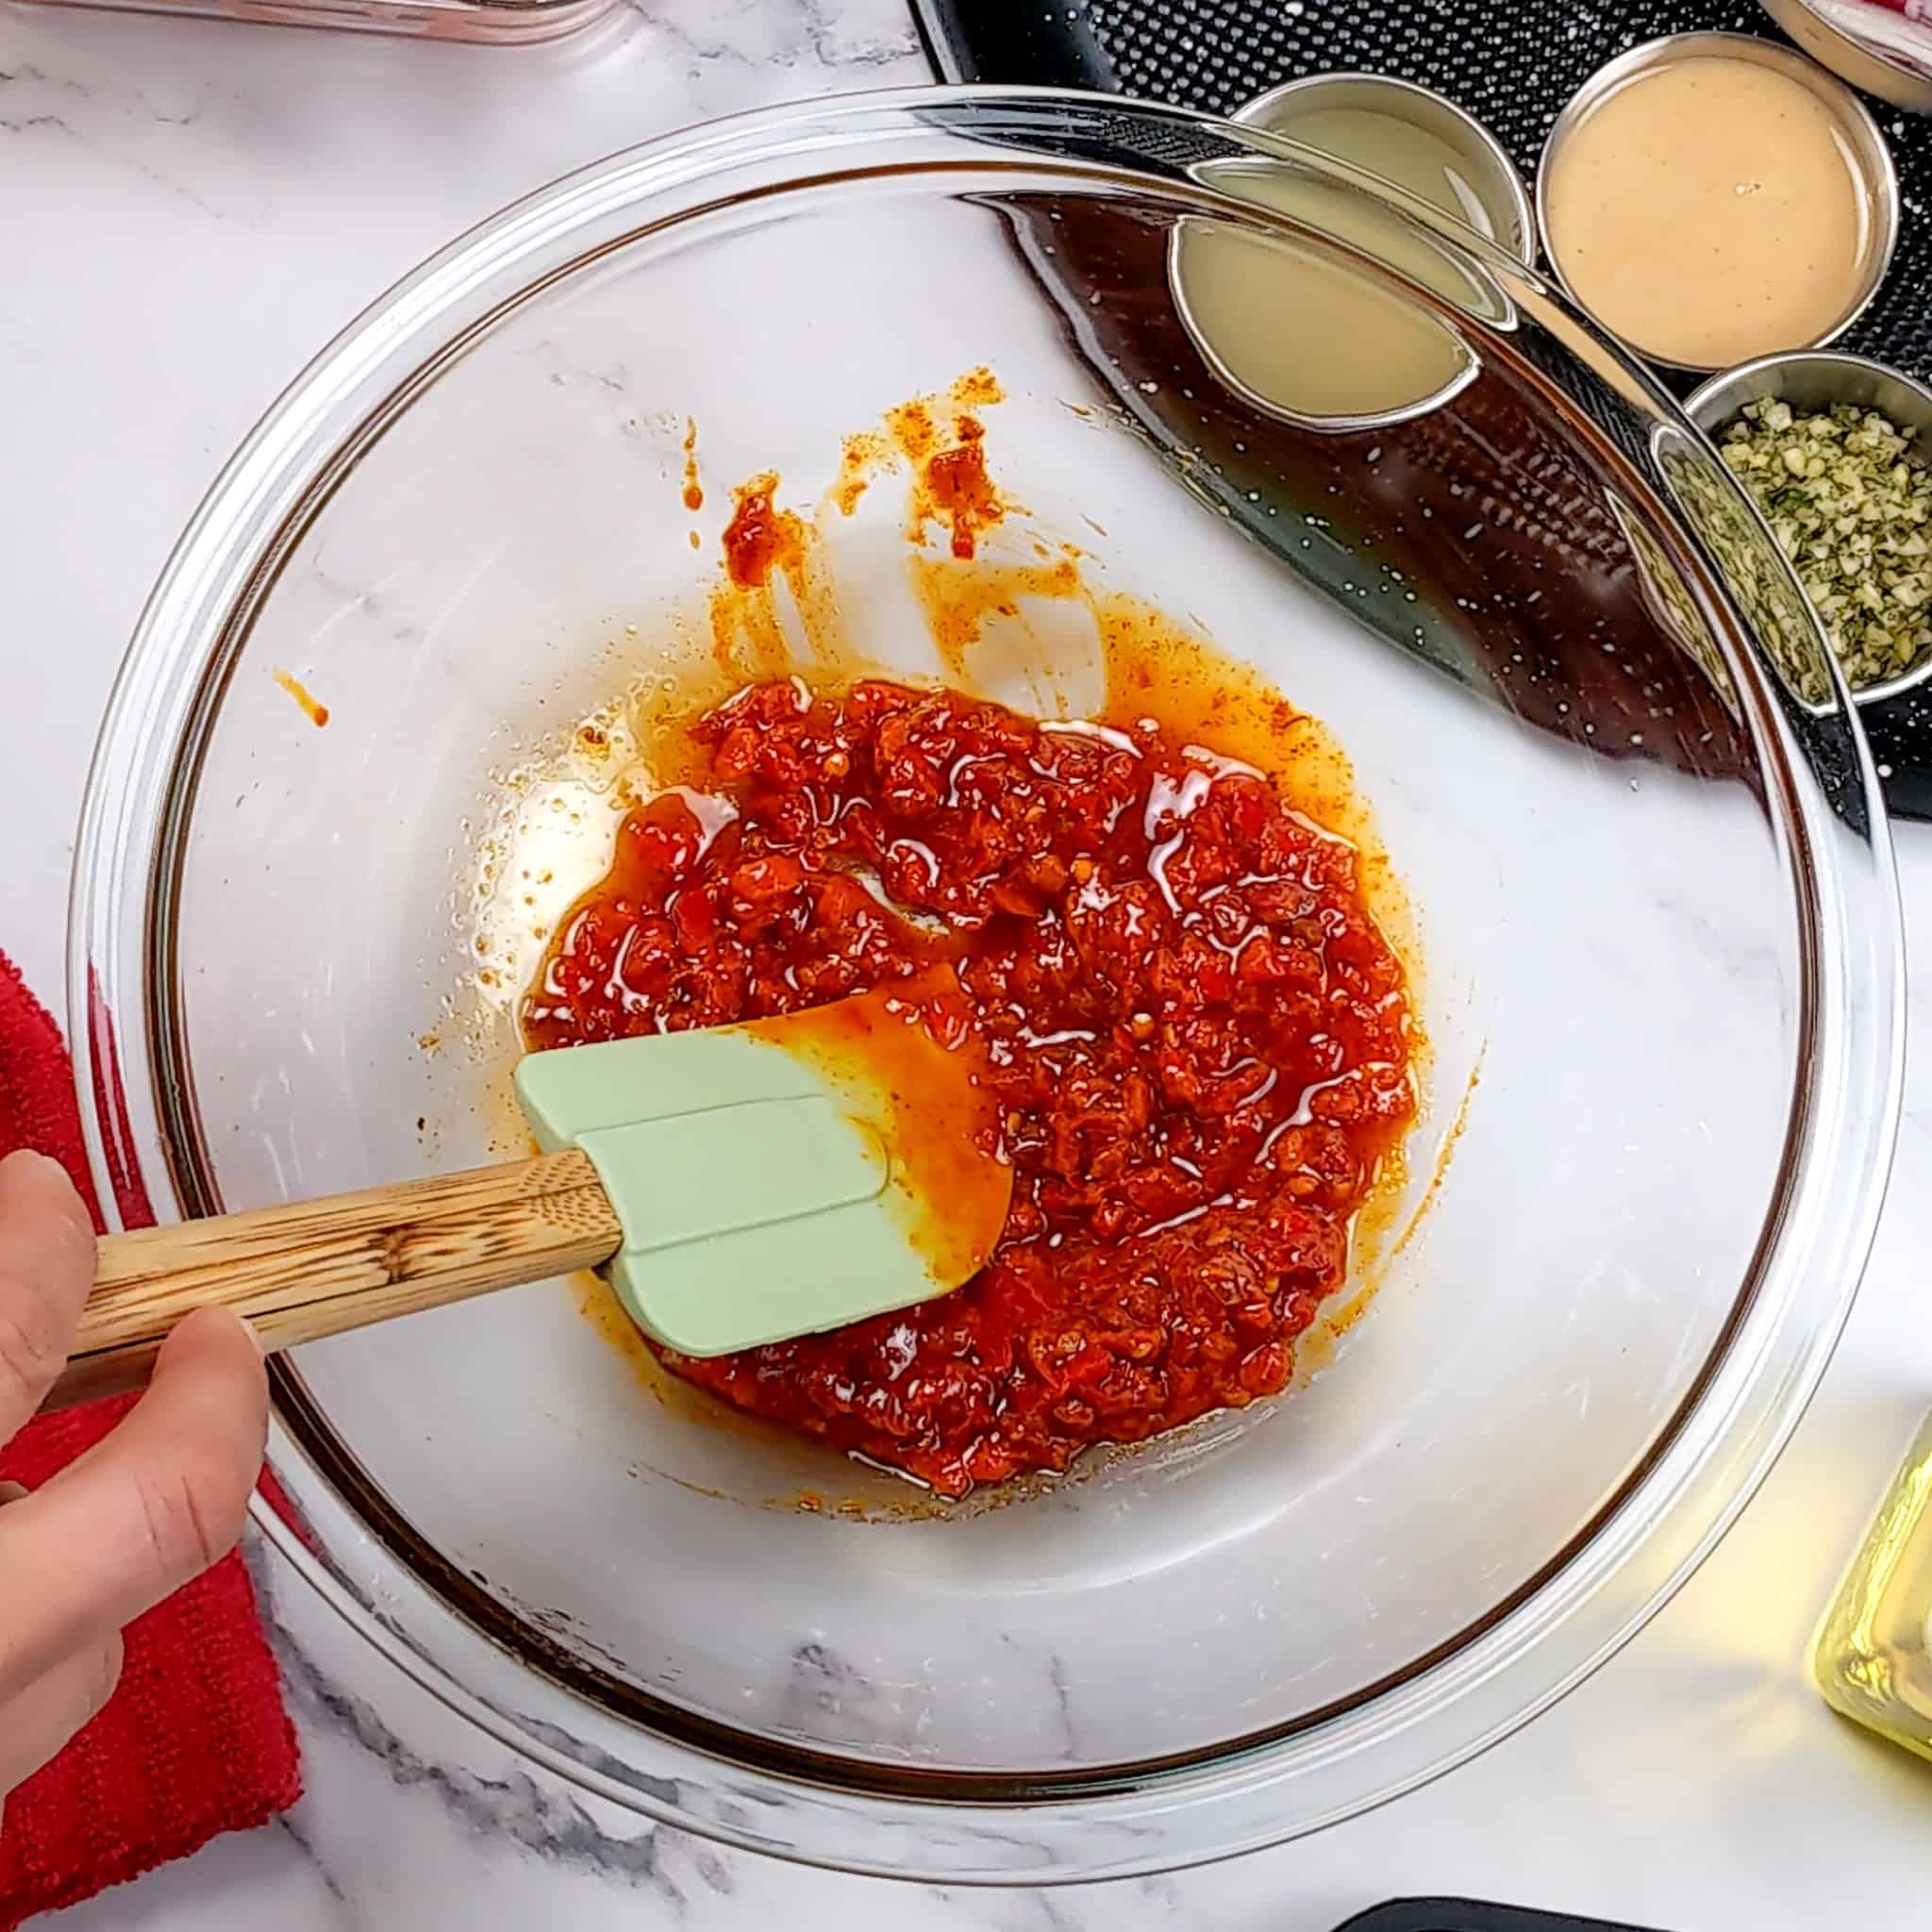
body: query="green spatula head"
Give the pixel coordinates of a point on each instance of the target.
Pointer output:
(784, 1176)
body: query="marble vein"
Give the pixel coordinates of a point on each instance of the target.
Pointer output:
(516, 1809)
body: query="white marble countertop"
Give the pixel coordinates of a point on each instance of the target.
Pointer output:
(187, 211)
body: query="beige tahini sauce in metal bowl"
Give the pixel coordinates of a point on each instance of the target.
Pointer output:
(1712, 205)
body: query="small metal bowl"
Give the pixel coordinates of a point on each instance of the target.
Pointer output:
(1503, 188)
(1814, 379)
(1503, 195)
(1869, 153)
(1852, 58)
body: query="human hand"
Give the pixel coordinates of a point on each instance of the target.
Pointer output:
(145, 1509)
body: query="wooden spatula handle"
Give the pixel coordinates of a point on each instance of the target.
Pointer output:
(316, 1268)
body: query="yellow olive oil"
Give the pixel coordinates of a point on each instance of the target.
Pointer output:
(1308, 333)
(1872, 1655)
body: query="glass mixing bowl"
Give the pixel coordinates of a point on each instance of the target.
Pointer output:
(1633, 812)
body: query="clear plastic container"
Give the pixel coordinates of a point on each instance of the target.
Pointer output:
(498, 23)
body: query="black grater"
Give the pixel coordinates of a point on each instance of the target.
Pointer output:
(1513, 63)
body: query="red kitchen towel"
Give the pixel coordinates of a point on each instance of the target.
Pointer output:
(195, 1741)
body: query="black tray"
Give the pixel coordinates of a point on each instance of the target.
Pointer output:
(1513, 65)
(1470, 1915)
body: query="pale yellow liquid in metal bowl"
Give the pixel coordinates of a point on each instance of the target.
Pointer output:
(1306, 334)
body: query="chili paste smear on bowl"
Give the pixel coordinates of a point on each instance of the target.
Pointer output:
(1201, 1044)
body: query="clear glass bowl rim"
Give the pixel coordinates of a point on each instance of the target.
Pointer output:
(1620, 1570)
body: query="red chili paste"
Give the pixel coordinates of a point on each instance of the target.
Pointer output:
(1198, 1039)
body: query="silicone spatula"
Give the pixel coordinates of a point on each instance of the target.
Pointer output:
(738, 1184)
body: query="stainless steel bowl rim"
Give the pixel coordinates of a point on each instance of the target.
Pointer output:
(1257, 112)
(1860, 62)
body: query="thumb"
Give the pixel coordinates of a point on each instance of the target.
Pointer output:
(147, 1507)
